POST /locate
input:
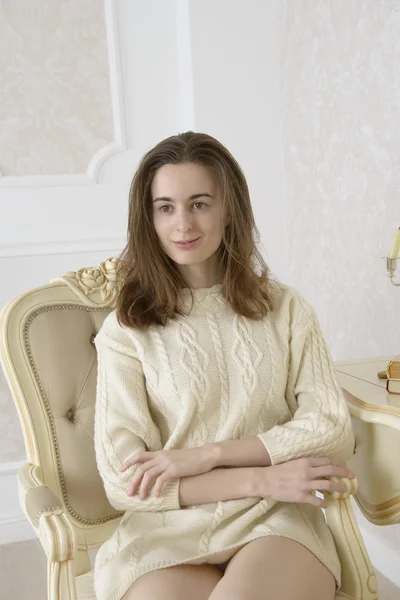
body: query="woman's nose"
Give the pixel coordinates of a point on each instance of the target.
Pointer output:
(184, 221)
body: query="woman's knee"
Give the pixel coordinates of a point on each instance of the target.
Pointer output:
(176, 583)
(275, 568)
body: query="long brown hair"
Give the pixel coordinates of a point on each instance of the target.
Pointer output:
(150, 281)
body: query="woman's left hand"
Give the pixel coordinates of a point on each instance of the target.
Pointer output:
(165, 465)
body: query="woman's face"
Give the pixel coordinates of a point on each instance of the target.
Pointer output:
(187, 206)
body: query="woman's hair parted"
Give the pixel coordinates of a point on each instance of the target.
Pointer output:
(149, 281)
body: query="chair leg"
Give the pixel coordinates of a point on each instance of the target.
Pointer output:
(358, 576)
(61, 581)
(58, 541)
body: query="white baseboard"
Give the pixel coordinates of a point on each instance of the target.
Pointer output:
(14, 527)
(385, 558)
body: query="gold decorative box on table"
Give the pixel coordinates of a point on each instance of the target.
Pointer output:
(393, 376)
(376, 423)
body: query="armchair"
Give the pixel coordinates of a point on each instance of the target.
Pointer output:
(49, 360)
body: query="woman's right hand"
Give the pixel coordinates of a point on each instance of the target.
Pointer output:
(297, 480)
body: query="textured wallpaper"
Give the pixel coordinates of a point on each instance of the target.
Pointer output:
(340, 87)
(55, 103)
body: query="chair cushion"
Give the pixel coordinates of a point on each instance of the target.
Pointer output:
(65, 367)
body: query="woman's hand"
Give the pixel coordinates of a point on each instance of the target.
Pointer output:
(297, 480)
(161, 466)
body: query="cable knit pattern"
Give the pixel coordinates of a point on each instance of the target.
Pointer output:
(264, 408)
(319, 426)
(194, 361)
(211, 375)
(223, 375)
(247, 357)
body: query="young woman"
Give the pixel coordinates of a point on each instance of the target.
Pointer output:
(206, 363)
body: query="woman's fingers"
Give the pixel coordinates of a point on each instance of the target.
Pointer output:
(323, 485)
(142, 457)
(315, 501)
(327, 485)
(325, 467)
(147, 480)
(158, 488)
(331, 471)
(138, 476)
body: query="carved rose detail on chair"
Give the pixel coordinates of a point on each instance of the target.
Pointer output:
(98, 280)
(97, 286)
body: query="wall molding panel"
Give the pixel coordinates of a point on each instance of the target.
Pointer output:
(117, 98)
(103, 154)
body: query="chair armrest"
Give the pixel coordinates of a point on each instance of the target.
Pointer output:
(351, 486)
(45, 512)
(41, 501)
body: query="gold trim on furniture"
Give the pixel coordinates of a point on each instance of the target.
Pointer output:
(379, 513)
(390, 410)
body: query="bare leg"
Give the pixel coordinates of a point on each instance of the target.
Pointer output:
(176, 583)
(275, 568)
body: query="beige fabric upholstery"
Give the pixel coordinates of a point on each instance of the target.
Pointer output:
(39, 500)
(61, 344)
(49, 359)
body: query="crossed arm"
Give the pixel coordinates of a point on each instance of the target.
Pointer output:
(201, 480)
(219, 485)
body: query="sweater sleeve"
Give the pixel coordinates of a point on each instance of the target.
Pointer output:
(123, 424)
(320, 424)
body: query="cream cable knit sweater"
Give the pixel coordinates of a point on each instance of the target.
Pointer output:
(211, 376)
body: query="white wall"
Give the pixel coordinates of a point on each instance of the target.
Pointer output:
(235, 62)
(340, 89)
(340, 143)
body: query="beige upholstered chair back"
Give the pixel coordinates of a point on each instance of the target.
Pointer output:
(51, 367)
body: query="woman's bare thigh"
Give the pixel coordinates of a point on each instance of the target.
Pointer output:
(175, 583)
(275, 568)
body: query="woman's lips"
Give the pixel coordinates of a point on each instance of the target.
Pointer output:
(186, 245)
